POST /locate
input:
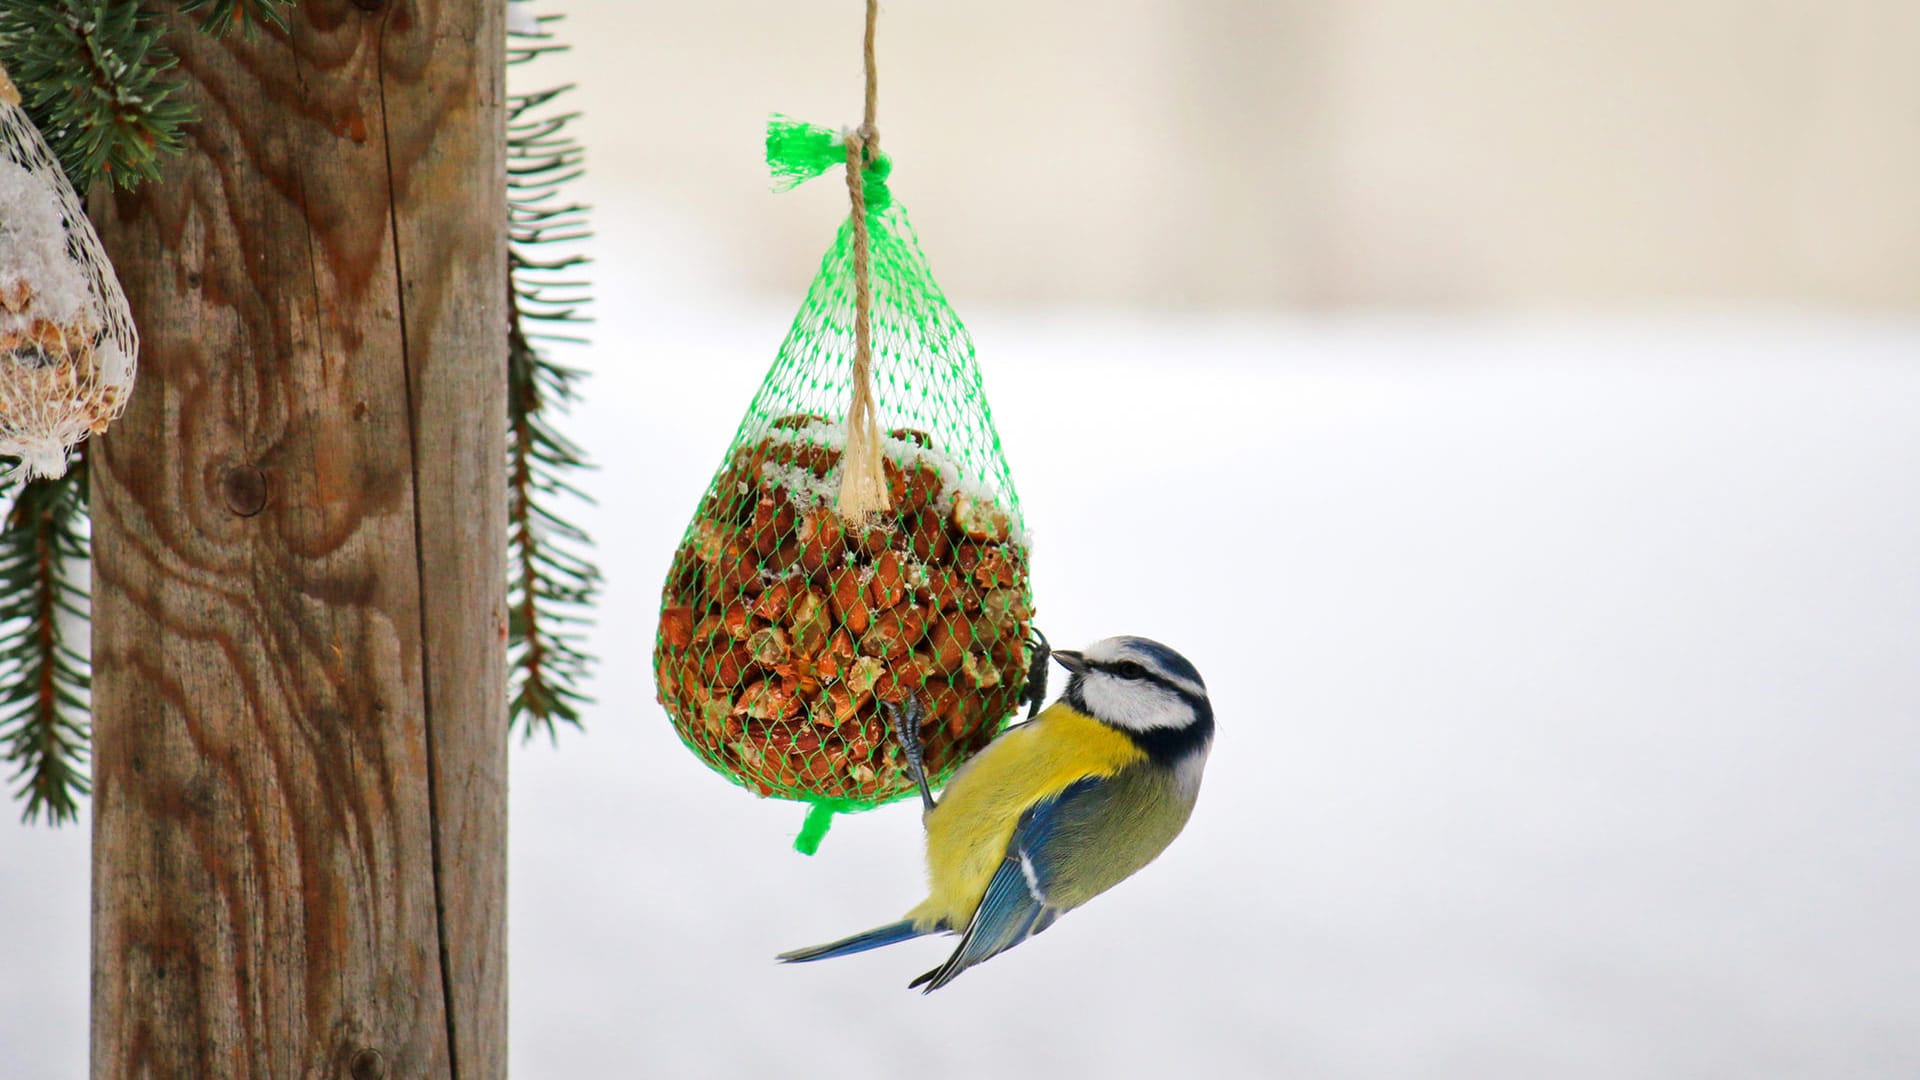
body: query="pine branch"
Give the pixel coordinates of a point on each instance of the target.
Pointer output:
(44, 681)
(223, 15)
(93, 76)
(552, 582)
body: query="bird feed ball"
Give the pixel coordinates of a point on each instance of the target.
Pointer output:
(67, 340)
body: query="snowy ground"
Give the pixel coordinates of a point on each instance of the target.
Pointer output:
(1569, 723)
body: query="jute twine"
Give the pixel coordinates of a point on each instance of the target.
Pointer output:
(863, 479)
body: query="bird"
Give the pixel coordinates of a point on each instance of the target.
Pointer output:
(1056, 810)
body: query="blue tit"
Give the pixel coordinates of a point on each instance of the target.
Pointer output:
(1057, 810)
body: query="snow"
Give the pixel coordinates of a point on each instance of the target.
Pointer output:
(33, 251)
(806, 490)
(1566, 690)
(115, 363)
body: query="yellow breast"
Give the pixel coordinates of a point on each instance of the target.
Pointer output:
(967, 832)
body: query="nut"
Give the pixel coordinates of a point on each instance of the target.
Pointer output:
(676, 626)
(769, 646)
(849, 599)
(823, 541)
(772, 523)
(888, 586)
(978, 519)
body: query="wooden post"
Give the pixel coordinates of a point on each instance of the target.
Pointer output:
(299, 530)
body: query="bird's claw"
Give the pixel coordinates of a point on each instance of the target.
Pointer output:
(1035, 693)
(904, 717)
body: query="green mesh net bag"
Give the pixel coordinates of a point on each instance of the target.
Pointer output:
(860, 542)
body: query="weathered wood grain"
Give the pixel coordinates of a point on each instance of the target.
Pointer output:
(300, 814)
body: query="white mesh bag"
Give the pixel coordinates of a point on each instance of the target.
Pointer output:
(67, 340)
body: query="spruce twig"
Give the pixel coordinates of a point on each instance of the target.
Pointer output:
(94, 77)
(44, 681)
(221, 16)
(552, 582)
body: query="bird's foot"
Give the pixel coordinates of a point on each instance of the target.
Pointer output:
(1035, 694)
(905, 716)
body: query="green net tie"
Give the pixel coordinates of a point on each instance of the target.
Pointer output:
(797, 152)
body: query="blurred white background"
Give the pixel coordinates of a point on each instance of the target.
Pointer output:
(1511, 408)
(1478, 154)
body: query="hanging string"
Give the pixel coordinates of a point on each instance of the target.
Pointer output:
(868, 132)
(863, 479)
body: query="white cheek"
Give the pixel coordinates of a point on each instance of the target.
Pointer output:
(1134, 705)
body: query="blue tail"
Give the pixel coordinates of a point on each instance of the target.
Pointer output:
(890, 934)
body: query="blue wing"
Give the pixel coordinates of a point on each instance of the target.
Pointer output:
(1016, 905)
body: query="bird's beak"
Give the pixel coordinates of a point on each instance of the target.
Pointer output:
(1071, 660)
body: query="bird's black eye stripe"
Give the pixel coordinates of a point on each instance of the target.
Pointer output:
(1133, 670)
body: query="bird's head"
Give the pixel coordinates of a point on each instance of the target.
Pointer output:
(1143, 688)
